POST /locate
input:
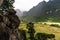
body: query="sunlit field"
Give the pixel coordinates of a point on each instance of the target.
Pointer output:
(43, 28)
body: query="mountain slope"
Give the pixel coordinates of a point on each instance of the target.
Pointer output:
(45, 11)
(19, 13)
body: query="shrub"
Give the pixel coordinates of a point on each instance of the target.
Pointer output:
(45, 23)
(55, 25)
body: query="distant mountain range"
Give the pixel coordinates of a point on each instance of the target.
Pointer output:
(19, 13)
(44, 7)
(44, 11)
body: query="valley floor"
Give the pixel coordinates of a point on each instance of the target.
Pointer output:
(44, 28)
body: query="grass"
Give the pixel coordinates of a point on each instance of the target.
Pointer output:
(43, 28)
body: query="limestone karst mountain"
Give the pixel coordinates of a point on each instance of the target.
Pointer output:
(19, 13)
(45, 11)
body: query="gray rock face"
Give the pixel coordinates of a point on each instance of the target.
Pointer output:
(1, 1)
(9, 26)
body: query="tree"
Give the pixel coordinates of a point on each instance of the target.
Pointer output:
(31, 31)
(6, 5)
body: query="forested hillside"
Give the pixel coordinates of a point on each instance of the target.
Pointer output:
(44, 11)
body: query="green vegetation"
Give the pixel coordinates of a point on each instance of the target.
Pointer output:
(40, 19)
(42, 28)
(55, 25)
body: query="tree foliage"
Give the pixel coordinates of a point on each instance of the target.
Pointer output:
(6, 5)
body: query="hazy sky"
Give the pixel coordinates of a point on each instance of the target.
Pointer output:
(25, 5)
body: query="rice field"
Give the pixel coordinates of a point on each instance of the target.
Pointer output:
(43, 28)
